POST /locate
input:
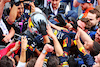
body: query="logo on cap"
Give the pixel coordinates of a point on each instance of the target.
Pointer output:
(88, 1)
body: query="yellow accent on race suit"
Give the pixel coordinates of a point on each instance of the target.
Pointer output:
(45, 60)
(30, 23)
(64, 43)
(65, 64)
(55, 32)
(30, 47)
(82, 49)
(75, 42)
(27, 45)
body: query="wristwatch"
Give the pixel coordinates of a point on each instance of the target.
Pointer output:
(44, 52)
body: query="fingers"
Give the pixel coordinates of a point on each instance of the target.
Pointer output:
(48, 48)
(18, 42)
(32, 7)
(5, 40)
(48, 26)
(23, 42)
(23, 38)
(77, 36)
(4, 35)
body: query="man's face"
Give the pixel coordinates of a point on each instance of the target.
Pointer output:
(97, 58)
(55, 4)
(92, 18)
(84, 6)
(97, 36)
(20, 10)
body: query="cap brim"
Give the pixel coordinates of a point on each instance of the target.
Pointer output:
(80, 1)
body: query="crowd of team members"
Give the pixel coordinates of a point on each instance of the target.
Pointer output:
(46, 33)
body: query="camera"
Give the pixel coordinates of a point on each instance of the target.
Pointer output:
(16, 2)
(26, 5)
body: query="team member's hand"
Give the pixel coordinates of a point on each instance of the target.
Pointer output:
(48, 48)
(42, 26)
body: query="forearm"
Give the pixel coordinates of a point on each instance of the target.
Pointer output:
(57, 46)
(23, 56)
(11, 32)
(46, 39)
(56, 27)
(2, 4)
(23, 49)
(40, 60)
(10, 52)
(79, 44)
(37, 51)
(84, 36)
(13, 14)
(87, 58)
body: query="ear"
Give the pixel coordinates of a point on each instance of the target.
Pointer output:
(98, 19)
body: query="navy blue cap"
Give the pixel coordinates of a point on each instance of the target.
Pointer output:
(71, 13)
(86, 1)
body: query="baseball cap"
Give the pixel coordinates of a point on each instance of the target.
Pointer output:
(86, 1)
(71, 13)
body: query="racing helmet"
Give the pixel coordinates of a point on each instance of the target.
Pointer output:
(34, 19)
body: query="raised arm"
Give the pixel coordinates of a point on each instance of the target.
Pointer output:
(23, 49)
(12, 15)
(47, 48)
(22, 60)
(2, 4)
(17, 45)
(57, 46)
(54, 26)
(84, 36)
(88, 60)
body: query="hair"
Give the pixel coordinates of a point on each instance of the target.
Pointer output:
(95, 11)
(72, 62)
(97, 8)
(53, 61)
(87, 22)
(13, 4)
(6, 62)
(95, 49)
(31, 62)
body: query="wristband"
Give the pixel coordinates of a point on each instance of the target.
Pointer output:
(11, 50)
